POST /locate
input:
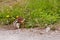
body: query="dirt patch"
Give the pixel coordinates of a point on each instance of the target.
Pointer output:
(7, 27)
(27, 34)
(12, 2)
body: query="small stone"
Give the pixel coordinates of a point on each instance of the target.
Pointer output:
(47, 29)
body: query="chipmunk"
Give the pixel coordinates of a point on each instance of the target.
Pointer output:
(19, 22)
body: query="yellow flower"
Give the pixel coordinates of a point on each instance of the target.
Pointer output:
(7, 16)
(17, 16)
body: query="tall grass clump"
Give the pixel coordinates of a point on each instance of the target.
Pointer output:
(43, 12)
(36, 12)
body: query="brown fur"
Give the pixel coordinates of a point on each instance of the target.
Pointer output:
(21, 21)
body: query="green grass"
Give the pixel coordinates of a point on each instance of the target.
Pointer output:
(35, 12)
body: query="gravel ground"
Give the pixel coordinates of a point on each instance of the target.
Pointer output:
(28, 34)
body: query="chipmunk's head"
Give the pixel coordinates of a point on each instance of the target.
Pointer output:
(20, 20)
